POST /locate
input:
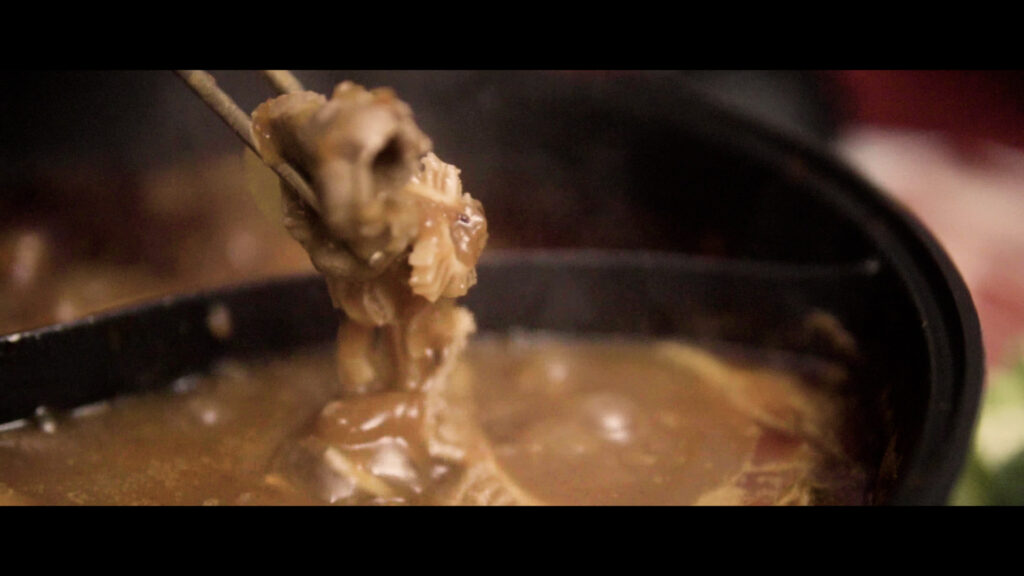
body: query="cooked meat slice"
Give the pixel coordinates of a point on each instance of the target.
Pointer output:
(396, 239)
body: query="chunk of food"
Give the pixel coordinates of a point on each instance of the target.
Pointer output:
(395, 236)
(397, 240)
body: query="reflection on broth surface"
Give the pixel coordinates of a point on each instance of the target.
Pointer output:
(558, 420)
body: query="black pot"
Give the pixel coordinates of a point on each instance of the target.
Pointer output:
(676, 218)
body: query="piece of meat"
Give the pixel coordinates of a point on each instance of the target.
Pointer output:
(452, 235)
(397, 240)
(395, 236)
(358, 150)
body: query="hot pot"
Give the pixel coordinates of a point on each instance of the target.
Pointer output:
(630, 203)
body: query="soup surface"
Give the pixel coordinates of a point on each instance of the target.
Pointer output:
(564, 421)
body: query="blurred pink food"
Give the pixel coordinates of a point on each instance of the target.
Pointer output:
(970, 194)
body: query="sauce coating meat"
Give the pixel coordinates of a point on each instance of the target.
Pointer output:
(397, 240)
(395, 237)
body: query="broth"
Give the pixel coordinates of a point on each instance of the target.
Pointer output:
(566, 421)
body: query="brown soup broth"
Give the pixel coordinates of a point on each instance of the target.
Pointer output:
(569, 420)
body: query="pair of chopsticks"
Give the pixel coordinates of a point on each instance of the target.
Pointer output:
(205, 85)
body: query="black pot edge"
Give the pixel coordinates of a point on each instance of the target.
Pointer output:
(952, 417)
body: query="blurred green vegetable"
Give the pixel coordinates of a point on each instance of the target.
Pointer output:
(994, 474)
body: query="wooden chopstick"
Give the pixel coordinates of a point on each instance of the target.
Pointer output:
(205, 85)
(283, 81)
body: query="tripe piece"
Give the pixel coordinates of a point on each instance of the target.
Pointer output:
(396, 238)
